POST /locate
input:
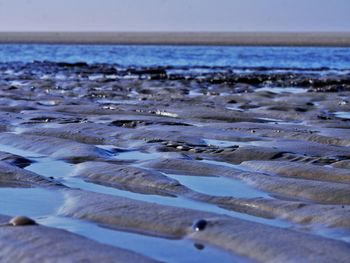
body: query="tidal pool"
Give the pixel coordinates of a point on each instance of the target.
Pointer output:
(342, 115)
(168, 250)
(219, 186)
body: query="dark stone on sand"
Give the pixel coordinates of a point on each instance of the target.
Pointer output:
(22, 221)
(199, 225)
(199, 246)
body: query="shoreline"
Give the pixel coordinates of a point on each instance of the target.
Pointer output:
(180, 38)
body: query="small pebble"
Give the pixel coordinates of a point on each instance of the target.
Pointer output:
(21, 221)
(199, 225)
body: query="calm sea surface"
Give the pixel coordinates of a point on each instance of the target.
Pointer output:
(182, 56)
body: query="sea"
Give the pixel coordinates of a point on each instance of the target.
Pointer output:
(299, 58)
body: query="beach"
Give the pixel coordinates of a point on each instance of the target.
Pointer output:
(337, 39)
(177, 163)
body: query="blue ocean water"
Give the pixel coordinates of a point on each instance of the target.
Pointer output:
(182, 56)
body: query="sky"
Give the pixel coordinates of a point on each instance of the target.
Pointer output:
(175, 15)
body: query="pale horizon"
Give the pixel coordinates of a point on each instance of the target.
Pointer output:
(174, 16)
(179, 32)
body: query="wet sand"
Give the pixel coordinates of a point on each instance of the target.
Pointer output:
(162, 164)
(341, 39)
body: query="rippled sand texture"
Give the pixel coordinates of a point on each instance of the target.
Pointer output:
(145, 165)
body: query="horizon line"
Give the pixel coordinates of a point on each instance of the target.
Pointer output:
(244, 38)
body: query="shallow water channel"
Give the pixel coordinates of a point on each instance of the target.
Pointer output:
(43, 205)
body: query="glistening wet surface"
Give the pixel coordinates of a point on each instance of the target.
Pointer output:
(225, 150)
(43, 205)
(283, 90)
(214, 186)
(33, 202)
(63, 171)
(159, 248)
(343, 115)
